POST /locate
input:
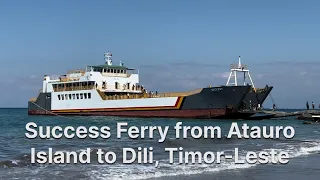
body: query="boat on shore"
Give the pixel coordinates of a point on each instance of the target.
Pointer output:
(115, 90)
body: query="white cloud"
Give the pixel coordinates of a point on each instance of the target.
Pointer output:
(33, 76)
(303, 73)
(259, 76)
(223, 75)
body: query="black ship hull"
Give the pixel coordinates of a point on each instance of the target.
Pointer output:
(254, 98)
(251, 103)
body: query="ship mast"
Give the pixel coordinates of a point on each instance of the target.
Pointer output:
(239, 68)
(107, 58)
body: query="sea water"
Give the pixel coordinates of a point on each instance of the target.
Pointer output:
(15, 150)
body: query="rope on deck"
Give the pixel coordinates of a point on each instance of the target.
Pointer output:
(273, 102)
(48, 111)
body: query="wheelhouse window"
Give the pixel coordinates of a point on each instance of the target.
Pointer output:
(89, 95)
(59, 97)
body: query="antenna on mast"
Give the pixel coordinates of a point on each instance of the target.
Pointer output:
(107, 58)
(235, 68)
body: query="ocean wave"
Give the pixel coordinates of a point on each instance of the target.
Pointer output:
(25, 160)
(21, 161)
(120, 172)
(146, 172)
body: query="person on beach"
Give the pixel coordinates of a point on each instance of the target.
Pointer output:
(312, 105)
(307, 104)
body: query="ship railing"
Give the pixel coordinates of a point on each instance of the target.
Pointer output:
(127, 96)
(54, 77)
(102, 95)
(152, 95)
(124, 88)
(175, 94)
(75, 88)
(108, 74)
(236, 66)
(115, 97)
(69, 79)
(146, 95)
(258, 90)
(82, 71)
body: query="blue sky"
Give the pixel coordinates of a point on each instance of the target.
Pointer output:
(176, 45)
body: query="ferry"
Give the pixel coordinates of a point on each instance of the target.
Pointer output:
(115, 90)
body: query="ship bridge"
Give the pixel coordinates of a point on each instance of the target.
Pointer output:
(111, 70)
(108, 69)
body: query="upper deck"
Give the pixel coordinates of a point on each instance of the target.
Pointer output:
(107, 77)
